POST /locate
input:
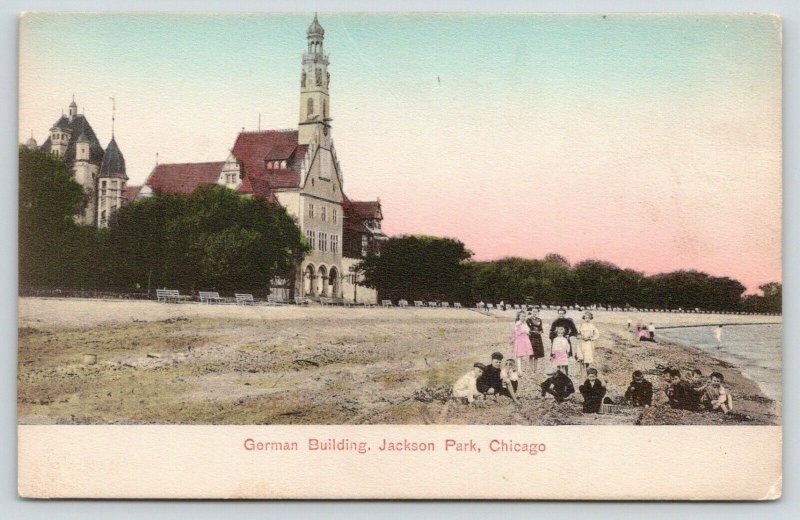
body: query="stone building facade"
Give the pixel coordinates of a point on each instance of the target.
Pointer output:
(101, 172)
(299, 170)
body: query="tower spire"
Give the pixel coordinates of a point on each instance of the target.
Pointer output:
(314, 81)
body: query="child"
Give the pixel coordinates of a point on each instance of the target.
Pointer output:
(592, 391)
(559, 350)
(510, 378)
(558, 385)
(520, 340)
(716, 396)
(490, 383)
(466, 386)
(680, 393)
(640, 391)
(698, 385)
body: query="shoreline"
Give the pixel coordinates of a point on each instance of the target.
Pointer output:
(205, 364)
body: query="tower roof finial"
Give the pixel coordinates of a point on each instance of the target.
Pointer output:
(315, 29)
(113, 110)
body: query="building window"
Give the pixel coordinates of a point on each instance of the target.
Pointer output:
(310, 211)
(364, 244)
(283, 165)
(309, 108)
(323, 213)
(323, 242)
(334, 215)
(310, 236)
(334, 243)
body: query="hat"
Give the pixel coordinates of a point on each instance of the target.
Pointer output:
(497, 355)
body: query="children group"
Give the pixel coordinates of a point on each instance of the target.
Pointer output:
(502, 378)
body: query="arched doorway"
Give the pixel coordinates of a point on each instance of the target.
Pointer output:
(333, 283)
(309, 285)
(323, 275)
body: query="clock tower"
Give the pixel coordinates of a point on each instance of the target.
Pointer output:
(314, 82)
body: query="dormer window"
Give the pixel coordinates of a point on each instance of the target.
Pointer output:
(269, 165)
(283, 165)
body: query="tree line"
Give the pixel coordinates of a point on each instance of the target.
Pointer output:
(431, 268)
(213, 239)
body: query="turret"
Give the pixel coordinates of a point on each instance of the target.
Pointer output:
(59, 140)
(314, 83)
(111, 181)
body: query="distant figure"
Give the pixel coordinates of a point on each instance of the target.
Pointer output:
(520, 340)
(559, 385)
(466, 386)
(651, 329)
(640, 391)
(592, 391)
(716, 396)
(644, 335)
(502, 305)
(718, 335)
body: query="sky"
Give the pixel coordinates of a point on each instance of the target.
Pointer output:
(650, 141)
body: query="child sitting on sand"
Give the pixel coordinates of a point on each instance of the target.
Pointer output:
(490, 383)
(510, 378)
(716, 396)
(640, 391)
(681, 394)
(558, 385)
(592, 391)
(559, 350)
(466, 386)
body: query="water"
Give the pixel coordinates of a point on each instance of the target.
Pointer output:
(755, 349)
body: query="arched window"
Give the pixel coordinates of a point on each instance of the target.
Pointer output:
(325, 109)
(269, 165)
(309, 108)
(283, 165)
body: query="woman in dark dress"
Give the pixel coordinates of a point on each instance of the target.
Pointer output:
(534, 323)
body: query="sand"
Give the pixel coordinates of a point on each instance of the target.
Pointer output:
(225, 364)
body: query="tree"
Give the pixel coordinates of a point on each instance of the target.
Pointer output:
(49, 239)
(211, 239)
(419, 268)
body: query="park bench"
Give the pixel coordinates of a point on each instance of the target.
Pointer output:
(244, 299)
(402, 303)
(489, 306)
(456, 305)
(325, 301)
(432, 304)
(386, 303)
(445, 305)
(210, 297)
(418, 304)
(170, 295)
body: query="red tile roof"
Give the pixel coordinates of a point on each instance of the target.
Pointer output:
(183, 178)
(367, 209)
(254, 149)
(131, 192)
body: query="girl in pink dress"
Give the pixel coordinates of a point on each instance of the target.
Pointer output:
(520, 341)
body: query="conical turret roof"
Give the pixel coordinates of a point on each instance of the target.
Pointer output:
(315, 28)
(113, 165)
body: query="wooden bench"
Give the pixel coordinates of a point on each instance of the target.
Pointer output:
(210, 297)
(489, 306)
(445, 305)
(171, 295)
(386, 303)
(244, 299)
(456, 305)
(402, 303)
(418, 304)
(432, 304)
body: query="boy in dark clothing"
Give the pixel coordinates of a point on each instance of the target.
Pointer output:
(490, 382)
(640, 391)
(559, 385)
(592, 391)
(681, 394)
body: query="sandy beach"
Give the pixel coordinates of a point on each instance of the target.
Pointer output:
(224, 364)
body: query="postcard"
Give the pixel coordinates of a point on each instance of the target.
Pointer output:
(336, 255)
